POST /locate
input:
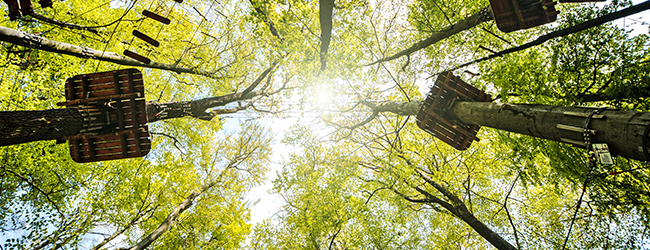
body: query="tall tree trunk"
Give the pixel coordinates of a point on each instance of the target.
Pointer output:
(36, 42)
(24, 126)
(625, 132)
(459, 209)
(325, 10)
(173, 216)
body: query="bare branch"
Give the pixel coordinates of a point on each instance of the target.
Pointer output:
(446, 32)
(564, 32)
(63, 24)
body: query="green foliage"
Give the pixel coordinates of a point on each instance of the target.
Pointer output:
(346, 185)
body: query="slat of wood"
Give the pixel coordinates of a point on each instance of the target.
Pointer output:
(140, 120)
(105, 76)
(137, 56)
(156, 17)
(450, 125)
(109, 82)
(129, 141)
(133, 151)
(146, 38)
(69, 89)
(84, 87)
(74, 149)
(120, 115)
(100, 93)
(125, 148)
(116, 82)
(95, 99)
(91, 148)
(138, 141)
(26, 7)
(101, 142)
(130, 80)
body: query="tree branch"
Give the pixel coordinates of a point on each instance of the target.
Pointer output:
(62, 24)
(266, 19)
(32, 41)
(564, 32)
(58, 210)
(446, 32)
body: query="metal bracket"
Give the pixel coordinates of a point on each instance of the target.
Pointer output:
(33, 40)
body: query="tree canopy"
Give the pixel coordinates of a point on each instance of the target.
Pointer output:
(354, 171)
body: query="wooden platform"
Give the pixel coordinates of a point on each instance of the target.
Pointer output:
(510, 16)
(114, 109)
(435, 119)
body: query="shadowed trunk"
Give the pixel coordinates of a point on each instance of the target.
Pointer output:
(24, 126)
(326, 7)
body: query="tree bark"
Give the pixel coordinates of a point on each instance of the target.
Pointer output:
(24, 126)
(326, 8)
(36, 42)
(623, 131)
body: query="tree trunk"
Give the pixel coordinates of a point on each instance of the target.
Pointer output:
(623, 131)
(171, 218)
(459, 209)
(37, 42)
(325, 10)
(24, 126)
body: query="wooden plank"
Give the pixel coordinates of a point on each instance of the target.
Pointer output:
(120, 115)
(91, 148)
(125, 148)
(84, 87)
(156, 17)
(26, 7)
(146, 38)
(137, 56)
(99, 93)
(116, 153)
(95, 99)
(108, 75)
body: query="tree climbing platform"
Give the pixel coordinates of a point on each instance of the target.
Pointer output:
(434, 116)
(511, 15)
(20, 8)
(113, 108)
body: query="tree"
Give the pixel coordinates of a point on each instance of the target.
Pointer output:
(50, 202)
(377, 171)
